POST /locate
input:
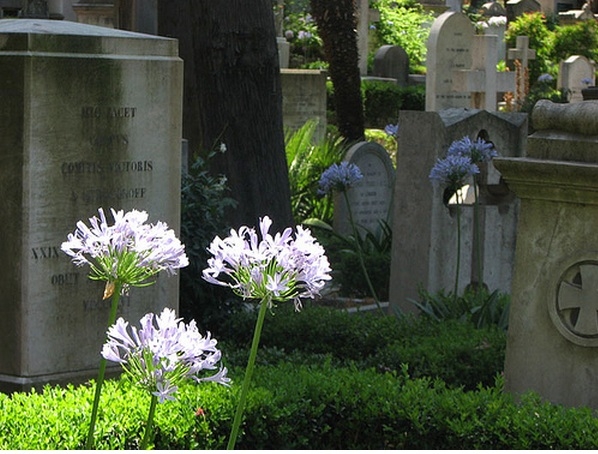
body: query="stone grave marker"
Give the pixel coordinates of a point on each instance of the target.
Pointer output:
(573, 75)
(449, 48)
(304, 98)
(425, 231)
(482, 80)
(370, 199)
(90, 117)
(392, 62)
(516, 8)
(553, 326)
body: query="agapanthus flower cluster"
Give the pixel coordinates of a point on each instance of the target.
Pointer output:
(452, 172)
(163, 353)
(278, 267)
(477, 150)
(461, 162)
(128, 251)
(392, 130)
(339, 177)
(545, 78)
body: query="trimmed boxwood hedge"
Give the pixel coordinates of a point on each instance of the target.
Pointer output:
(301, 407)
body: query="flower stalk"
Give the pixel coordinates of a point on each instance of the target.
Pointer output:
(115, 288)
(265, 302)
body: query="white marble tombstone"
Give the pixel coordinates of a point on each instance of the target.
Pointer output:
(449, 48)
(370, 199)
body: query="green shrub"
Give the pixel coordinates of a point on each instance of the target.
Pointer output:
(382, 102)
(455, 352)
(477, 307)
(307, 160)
(575, 39)
(405, 24)
(536, 28)
(308, 406)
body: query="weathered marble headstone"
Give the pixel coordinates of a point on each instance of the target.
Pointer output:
(449, 49)
(304, 98)
(370, 199)
(424, 247)
(575, 74)
(392, 62)
(553, 328)
(90, 117)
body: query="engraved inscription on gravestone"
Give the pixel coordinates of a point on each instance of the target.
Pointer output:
(449, 48)
(100, 128)
(370, 198)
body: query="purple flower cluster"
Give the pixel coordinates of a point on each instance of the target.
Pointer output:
(461, 162)
(162, 353)
(128, 251)
(339, 177)
(277, 267)
(392, 130)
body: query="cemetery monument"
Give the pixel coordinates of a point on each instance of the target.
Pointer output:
(90, 117)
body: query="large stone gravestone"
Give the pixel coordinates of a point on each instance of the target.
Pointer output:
(392, 62)
(575, 74)
(424, 247)
(90, 117)
(449, 49)
(370, 198)
(553, 327)
(304, 98)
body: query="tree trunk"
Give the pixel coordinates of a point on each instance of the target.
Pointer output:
(337, 25)
(233, 96)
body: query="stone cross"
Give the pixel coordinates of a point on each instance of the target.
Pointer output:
(523, 54)
(482, 80)
(582, 296)
(35, 9)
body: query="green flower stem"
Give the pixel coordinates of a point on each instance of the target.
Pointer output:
(102, 371)
(360, 253)
(150, 422)
(264, 303)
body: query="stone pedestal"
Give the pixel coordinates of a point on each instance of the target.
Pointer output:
(90, 117)
(553, 327)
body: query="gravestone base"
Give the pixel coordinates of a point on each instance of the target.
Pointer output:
(10, 384)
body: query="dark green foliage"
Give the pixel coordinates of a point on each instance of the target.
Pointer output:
(307, 160)
(405, 24)
(576, 39)
(383, 101)
(204, 199)
(456, 352)
(535, 27)
(343, 254)
(477, 307)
